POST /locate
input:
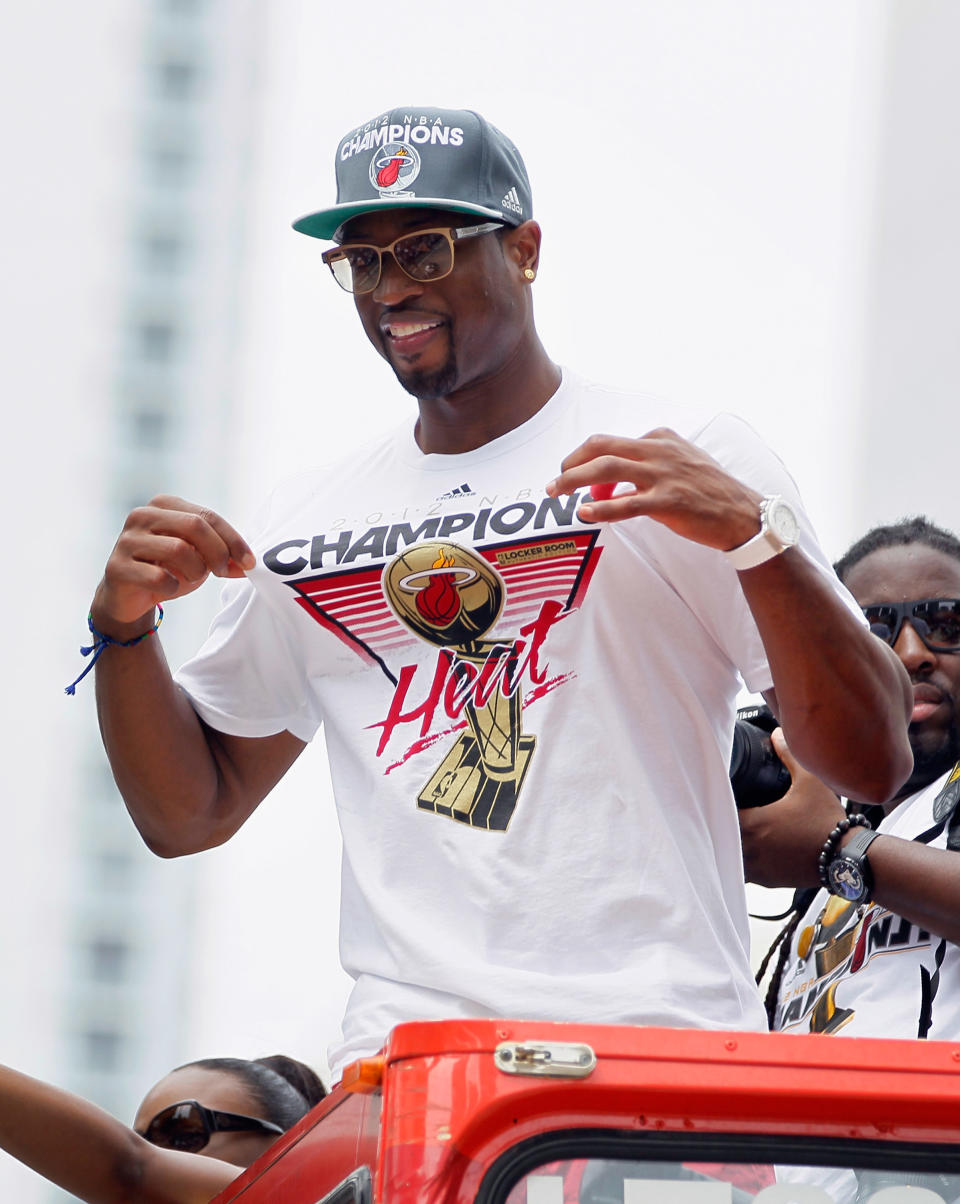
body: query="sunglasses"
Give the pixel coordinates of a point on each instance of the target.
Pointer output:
(189, 1126)
(935, 620)
(423, 255)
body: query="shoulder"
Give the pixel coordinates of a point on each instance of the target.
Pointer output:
(632, 412)
(725, 436)
(734, 444)
(727, 431)
(334, 478)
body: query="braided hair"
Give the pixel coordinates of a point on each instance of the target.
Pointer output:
(801, 901)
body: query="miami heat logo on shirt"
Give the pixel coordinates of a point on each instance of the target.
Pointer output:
(394, 167)
(444, 593)
(439, 603)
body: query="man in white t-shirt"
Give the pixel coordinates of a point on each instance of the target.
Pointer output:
(875, 953)
(524, 639)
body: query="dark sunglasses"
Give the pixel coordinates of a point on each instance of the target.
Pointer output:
(189, 1126)
(935, 620)
(423, 255)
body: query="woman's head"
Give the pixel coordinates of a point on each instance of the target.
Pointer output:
(243, 1106)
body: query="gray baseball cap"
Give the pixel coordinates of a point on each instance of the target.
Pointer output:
(416, 157)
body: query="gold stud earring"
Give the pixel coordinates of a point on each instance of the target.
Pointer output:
(529, 274)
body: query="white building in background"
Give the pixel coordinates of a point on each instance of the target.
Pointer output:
(905, 461)
(125, 224)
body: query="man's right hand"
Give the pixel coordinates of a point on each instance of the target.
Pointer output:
(186, 785)
(782, 841)
(166, 549)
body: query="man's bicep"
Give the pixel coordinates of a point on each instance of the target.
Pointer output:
(248, 767)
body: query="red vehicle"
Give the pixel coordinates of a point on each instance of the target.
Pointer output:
(528, 1112)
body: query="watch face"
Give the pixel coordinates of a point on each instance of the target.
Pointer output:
(783, 522)
(847, 880)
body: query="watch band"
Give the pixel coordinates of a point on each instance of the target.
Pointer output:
(857, 845)
(768, 541)
(849, 875)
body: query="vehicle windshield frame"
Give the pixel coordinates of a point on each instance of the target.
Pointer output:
(566, 1145)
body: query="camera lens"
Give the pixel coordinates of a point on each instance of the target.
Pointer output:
(757, 774)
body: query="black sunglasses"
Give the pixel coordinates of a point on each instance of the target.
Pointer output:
(189, 1126)
(935, 620)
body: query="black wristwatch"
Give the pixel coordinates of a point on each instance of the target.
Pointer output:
(848, 874)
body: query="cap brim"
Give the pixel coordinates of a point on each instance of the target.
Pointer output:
(326, 222)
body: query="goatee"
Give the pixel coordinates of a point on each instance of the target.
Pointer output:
(430, 386)
(929, 764)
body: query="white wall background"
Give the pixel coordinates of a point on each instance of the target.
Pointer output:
(715, 182)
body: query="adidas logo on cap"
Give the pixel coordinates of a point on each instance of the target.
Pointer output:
(512, 202)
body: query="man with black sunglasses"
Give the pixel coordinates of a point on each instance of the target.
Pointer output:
(875, 952)
(524, 638)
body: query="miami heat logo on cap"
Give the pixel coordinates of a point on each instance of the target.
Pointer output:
(393, 168)
(443, 592)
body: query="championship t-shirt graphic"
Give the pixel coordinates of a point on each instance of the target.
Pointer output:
(451, 597)
(866, 970)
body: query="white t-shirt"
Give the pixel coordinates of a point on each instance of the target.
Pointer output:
(529, 722)
(868, 972)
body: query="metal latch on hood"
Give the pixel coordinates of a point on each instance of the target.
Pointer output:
(550, 1059)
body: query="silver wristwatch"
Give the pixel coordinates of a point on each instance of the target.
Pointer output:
(779, 530)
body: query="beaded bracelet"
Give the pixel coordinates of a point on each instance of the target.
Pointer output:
(830, 844)
(101, 641)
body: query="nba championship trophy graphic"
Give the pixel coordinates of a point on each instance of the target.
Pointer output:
(832, 947)
(451, 597)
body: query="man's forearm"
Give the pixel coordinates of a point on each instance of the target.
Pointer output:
(64, 1138)
(158, 748)
(90, 1154)
(186, 786)
(918, 882)
(174, 776)
(782, 842)
(843, 698)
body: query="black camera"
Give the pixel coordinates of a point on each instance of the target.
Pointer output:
(757, 774)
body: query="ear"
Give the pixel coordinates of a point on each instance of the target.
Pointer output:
(521, 245)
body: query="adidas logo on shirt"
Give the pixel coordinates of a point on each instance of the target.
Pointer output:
(463, 490)
(512, 202)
